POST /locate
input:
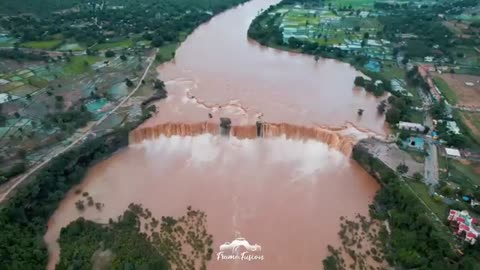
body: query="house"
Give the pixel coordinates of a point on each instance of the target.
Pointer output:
(364, 14)
(452, 152)
(411, 126)
(428, 59)
(465, 225)
(453, 127)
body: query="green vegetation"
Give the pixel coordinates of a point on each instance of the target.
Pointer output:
(417, 240)
(353, 3)
(70, 120)
(124, 246)
(447, 92)
(45, 45)
(12, 7)
(463, 174)
(363, 240)
(113, 45)
(82, 239)
(439, 208)
(14, 170)
(37, 82)
(167, 52)
(23, 219)
(80, 64)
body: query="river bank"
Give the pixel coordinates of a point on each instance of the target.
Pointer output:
(243, 185)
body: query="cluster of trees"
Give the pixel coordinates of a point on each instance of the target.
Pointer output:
(370, 86)
(127, 247)
(12, 7)
(23, 218)
(159, 21)
(425, 24)
(69, 120)
(16, 169)
(17, 54)
(160, 93)
(416, 241)
(414, 78)
(399, 109)
(264, 29)
(390, 5)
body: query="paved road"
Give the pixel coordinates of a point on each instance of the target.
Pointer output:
(431, 160)
(431, 164)
(20, 179)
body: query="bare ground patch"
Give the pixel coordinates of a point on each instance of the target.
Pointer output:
(472, 121)
(468, 96)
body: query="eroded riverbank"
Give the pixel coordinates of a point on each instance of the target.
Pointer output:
(245, 186)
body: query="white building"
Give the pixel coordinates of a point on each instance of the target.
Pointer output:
(428, 59)
(453, 152)
(453, 127)
(411, 126)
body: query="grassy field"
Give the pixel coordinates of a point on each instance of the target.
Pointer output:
(392, 71)
(447, 92)
(119, 44)
(165, 53)
(80, 64)
(6, 44)
(415, 116)
(422, 191)
(472, 123)
(44, 45)
(37, 82)
(463, 172)
(469, 125)
(354, 3)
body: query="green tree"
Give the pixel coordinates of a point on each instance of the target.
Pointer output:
(402, 168)
(128, 82)
(109, 54)
(157, 41)
(359, 81)
(392, 116)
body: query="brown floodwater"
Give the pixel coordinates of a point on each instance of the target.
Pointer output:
(286, 196)
(284, 192)
(218, 70)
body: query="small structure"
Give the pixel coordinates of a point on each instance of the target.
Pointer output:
(428, 59)
(453, 127)
(411, 126)
(465, 225)
(3, 81)
(225, 126)
(452, 152)
(373, 66)
(364, 14)
(416, 143)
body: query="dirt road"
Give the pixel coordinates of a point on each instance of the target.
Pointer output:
(14, 183)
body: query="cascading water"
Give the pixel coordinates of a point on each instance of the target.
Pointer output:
(333, 138)
(285, 191)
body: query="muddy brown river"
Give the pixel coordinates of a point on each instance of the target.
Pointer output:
(285, 192)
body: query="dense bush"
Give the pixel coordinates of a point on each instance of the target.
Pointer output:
(416, 241)
(23, 219)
